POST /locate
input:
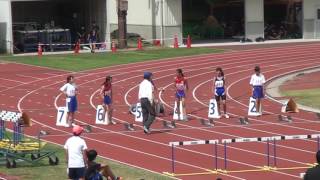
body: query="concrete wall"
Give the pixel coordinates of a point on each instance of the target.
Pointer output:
(254, 19)
(144, 18)
(311, 25)
(5, 27)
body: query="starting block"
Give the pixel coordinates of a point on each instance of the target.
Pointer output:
(87, 129)
(290, 106)
(168, 124)
(129, 127)
(244, 121)
(182, 116)
(208, 123)
(285, 118)
(318, 115)
(43, 133)
(159, 109)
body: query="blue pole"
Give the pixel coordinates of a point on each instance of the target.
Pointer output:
(14, 134)
(172, 157)
(1, 129)
(274, 153)
(19, 133)
(225, 155)
(216, 155)
(268, 153)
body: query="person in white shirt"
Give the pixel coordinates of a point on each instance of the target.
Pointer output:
(257, 82)
(146, 97)
(70, 90)
(75, 150)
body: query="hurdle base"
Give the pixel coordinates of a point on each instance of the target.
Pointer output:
(269, 168)
(223, 171)
(169, 174)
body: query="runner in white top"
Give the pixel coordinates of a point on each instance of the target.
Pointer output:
(257, 82)
(75, 150)
(70, 90)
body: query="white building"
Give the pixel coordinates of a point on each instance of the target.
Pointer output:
(152, 19)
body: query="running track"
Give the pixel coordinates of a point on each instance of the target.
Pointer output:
(34, 90)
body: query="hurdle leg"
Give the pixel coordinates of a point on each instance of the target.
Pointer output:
(274, 153)
(172, 158)
(268, 153)
(216, 155)
(225, 155)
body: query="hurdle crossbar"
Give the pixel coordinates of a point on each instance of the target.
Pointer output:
(224, 142)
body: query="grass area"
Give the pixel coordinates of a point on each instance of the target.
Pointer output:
(43, 170)
(307, 97)
(80, 62)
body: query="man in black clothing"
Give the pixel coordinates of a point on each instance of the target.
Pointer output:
(314, 172)
(146, 97)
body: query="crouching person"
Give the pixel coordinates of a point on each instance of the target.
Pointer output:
(96, 171)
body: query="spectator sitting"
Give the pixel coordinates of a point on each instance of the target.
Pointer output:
(95, 26)
(92, 38)
(75, 154)
(314, 172)
(96, 171)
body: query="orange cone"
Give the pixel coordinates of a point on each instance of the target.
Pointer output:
(189, 42)
(77, 48)
(290, 106)
(139, 44)
(113, 47)
(39, 50)
(175, 43)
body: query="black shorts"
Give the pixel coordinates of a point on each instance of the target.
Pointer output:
(223, 97)
(76, 173)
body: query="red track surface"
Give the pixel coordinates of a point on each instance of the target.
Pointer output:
(304, 81)
(35, 90)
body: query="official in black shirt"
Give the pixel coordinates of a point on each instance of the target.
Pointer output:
(314, 173)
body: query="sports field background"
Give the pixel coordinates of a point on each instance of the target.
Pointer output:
(79, 62)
